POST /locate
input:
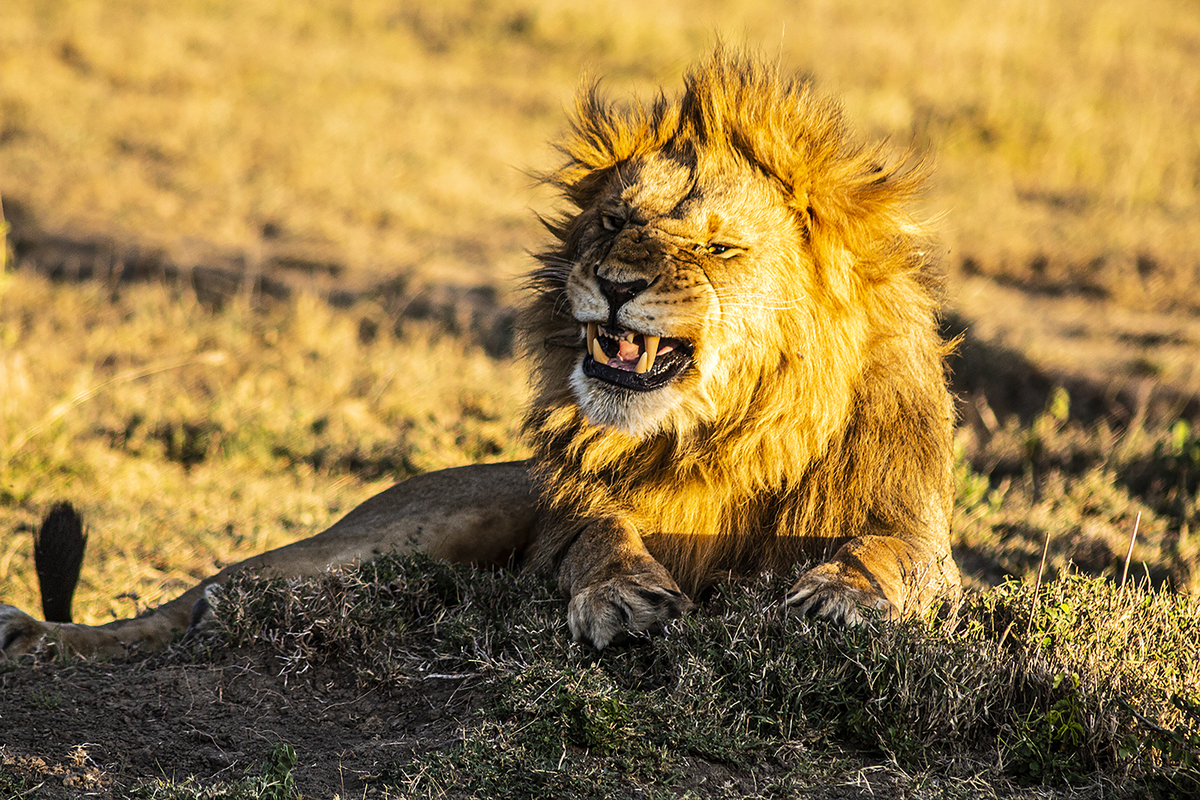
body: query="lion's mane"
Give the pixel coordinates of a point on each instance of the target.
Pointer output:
(848, 432)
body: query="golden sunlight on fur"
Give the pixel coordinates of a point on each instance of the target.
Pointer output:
(737, 368)
(801, 409)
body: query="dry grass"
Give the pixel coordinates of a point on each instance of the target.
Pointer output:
(1077, 489)
(389, 138)
(392, 141)
(191, 439)
(367, 140)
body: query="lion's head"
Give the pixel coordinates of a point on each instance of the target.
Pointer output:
(735, 274)
(677, 286)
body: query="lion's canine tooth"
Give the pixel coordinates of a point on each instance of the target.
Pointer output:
(651, 351)
(598, 352)
(593, 344)
(643, 364)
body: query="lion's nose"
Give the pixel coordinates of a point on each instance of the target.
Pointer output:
(618, 294)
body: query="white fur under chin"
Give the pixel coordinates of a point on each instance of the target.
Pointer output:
(636, 414)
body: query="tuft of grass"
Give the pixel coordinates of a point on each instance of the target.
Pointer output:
(16, 787)
(1077, 684)
(1081, 484)
(274, 782)
(47, 699)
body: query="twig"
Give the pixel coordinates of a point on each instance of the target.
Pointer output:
(1175, 736)
(1129, 553)
(1003, 636)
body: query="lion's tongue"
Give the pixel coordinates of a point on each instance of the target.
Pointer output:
(629, 351)
(629, 354)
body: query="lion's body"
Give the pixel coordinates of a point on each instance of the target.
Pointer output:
(737, 368)
(742, 221)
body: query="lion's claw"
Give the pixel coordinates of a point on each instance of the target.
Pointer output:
(605, 612)
(827, 597)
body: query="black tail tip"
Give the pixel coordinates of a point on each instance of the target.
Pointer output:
(58, 557)
(62, 513)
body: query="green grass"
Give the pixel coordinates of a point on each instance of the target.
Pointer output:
(1080, 685)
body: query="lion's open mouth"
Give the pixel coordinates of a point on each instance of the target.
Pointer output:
(634, 360)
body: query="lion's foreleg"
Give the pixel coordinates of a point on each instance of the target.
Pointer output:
(615, 585)
(889, 572)
(889, 575)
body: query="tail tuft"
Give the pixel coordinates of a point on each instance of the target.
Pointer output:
(58, 557)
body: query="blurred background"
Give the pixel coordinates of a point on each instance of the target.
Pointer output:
(262, 254)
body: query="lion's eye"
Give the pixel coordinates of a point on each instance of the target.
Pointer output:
(612, 222)
(717, 249)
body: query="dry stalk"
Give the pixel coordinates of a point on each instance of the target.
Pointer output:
(1129, 552)
(1037, 586)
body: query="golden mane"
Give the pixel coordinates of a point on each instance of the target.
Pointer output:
(849, 434)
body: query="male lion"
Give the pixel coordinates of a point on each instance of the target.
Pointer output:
(737, 367)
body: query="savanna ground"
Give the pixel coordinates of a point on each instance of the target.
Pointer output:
(261, 260)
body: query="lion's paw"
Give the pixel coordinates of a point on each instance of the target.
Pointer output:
(19, 632)
(827, 594)
(203, 614)
(605, 612)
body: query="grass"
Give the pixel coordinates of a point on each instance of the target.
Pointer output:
(274, 782)
(191, 439)
(356, 154)
(1078, 686)
(213, 434)
(367, 140)
(192, 436)
(1080, 489)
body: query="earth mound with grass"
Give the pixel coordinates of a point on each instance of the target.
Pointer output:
(410, 678)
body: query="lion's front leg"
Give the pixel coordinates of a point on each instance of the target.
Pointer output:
(882, 575)
(615, 585)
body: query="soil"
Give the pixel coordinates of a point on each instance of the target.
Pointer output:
(101, 729)
(120, 728)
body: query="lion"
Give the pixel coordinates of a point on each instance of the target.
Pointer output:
(736, 367)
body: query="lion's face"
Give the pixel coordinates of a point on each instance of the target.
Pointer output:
(679, 281)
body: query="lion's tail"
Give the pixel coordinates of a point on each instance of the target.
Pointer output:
(58, 557)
